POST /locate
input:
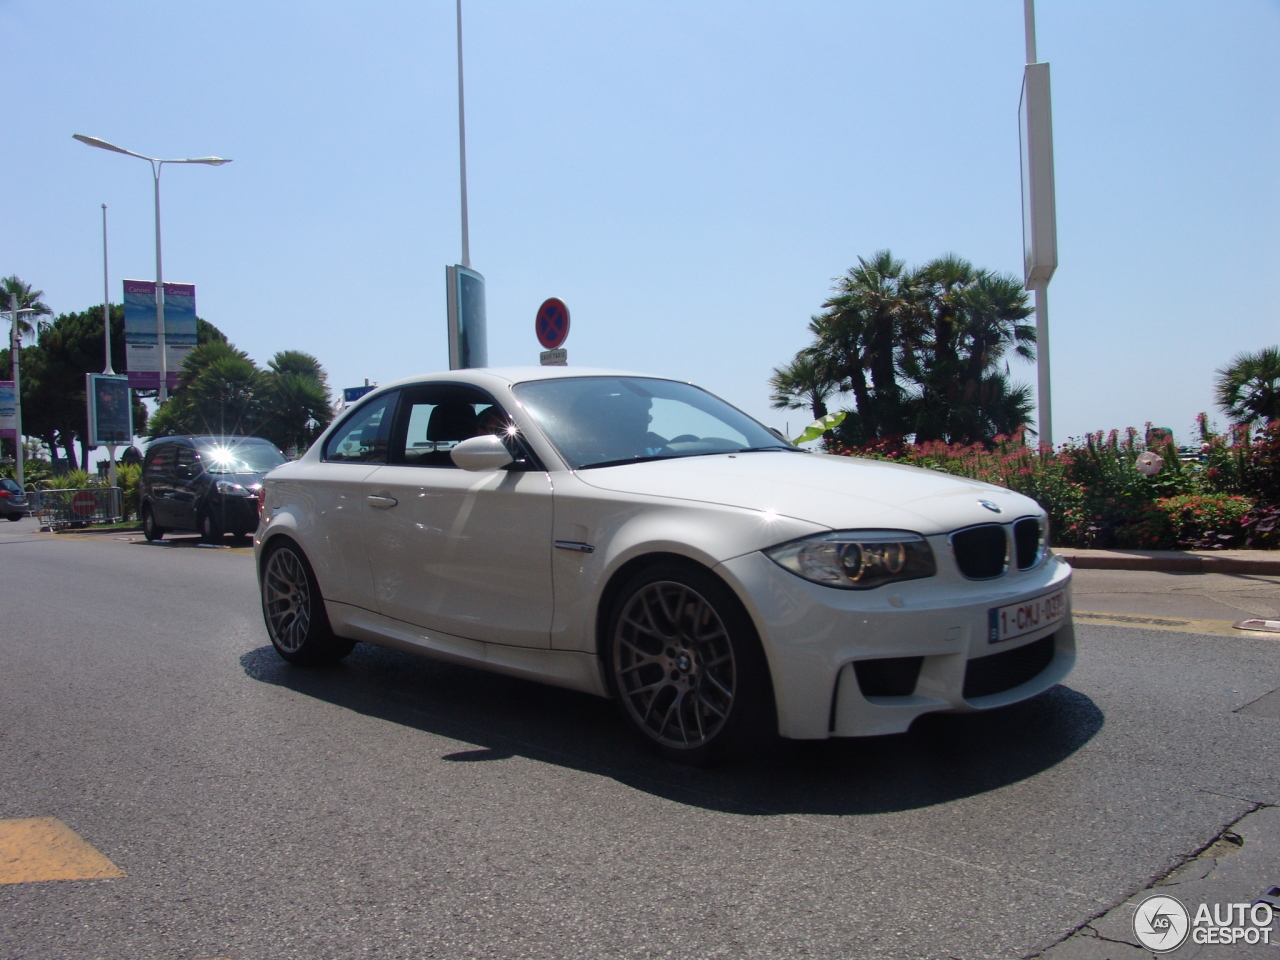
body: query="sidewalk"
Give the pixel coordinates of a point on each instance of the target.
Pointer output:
(1266, 562)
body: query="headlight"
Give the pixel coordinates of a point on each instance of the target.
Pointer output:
(229, 489)
(857, 559)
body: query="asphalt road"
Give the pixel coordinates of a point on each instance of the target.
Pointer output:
(394, 807)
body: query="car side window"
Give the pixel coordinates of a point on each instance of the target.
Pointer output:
(186, 464)
(159, 460)
(362, 437)
(437, 418)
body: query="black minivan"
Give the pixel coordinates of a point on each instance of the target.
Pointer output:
(206, 484)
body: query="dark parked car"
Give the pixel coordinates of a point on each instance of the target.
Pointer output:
(13, 502)
(206, 484)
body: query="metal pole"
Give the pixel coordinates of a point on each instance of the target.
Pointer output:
(1043, 402)
(160, 345)
(106, 301)
(106, 337)
(1029, 24)
(15, 344)
(462, 149)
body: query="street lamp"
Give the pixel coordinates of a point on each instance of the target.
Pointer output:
(156, 164)
(15, 342)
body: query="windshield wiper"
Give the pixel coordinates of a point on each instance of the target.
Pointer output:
(776, 446)
(618, 463)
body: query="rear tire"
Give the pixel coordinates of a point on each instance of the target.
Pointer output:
(150, 529)
(15, 517)
(686, 666)
(294, 612)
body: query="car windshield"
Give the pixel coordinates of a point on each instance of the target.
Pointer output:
(604, 421)
(10, 485)
(240, 457)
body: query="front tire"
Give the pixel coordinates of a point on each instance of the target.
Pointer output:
(686, 665)
(210, 529)
(293, 610)
(150, 529)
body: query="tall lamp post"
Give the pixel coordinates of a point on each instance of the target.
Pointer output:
(156, 165)
(1039, 208)
(468, 340)
(15, 344)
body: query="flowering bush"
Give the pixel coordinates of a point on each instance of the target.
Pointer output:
(1207, 521)
(1261, 527)
(1096, 497)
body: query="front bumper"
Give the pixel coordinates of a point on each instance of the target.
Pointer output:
(814, 636)
(237, 514)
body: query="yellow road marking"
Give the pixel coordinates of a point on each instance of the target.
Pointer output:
(1222, 627)
(45, 848)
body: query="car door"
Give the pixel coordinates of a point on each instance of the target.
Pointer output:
(157, 473)
(186, 472)
(465, 553)
(339, 517)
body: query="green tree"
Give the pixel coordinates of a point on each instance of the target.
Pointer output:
(922, 351)
(800, 384)
(296, 394)
(15, 293)
(974, 319)
(1248, 388)
(218, 392)
(858, 339)
(221, 391)
(53, 401)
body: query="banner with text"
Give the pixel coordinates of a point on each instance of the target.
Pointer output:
(8, 411)
(142, 357)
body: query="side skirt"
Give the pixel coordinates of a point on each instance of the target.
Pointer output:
(571, 669)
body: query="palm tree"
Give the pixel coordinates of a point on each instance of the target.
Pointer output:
(296, 394)
(1248, 388)
(15, 294)
(922, 351)
(799, 384)
(859, 338)
(219, 392)
(976, 319)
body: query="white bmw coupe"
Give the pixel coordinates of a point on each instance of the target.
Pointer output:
(639, 538)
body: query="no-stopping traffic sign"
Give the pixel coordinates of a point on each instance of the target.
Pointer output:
(552, 323)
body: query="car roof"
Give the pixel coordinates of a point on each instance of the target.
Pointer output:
(486, 375)
(207, 439)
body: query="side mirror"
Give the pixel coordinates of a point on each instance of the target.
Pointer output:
(481, 453)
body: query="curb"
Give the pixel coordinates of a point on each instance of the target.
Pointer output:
(1169, 560)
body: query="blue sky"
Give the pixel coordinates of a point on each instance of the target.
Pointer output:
(688, 177)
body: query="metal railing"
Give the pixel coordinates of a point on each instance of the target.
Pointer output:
(66, 508)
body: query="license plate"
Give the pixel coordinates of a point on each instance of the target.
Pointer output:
(1028, 616)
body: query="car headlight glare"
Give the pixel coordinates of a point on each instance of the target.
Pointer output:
(229, 489)
(857, 559)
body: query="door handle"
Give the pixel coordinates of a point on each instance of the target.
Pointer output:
(382, 503)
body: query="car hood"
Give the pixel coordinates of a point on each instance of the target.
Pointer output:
(832, 491)
(244, 479)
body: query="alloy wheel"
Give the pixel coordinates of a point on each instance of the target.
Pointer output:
(286, 594)
(674, 666)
